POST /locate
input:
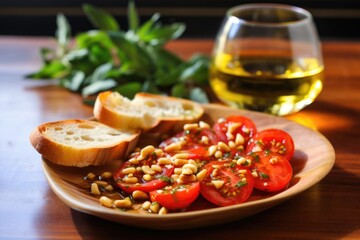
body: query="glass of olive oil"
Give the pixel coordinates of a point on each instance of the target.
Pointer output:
(267, 57)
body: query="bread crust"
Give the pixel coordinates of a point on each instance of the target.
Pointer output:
(73, 155)
(109, 115)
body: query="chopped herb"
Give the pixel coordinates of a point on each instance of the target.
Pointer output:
(240, 184)
(165, 179)
(263, 175)
(232, 164)
(267, 152)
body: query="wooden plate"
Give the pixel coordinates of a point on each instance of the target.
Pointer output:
(314, 157)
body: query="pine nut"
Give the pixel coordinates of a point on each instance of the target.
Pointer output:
(178, 171)
(95, 189)
(186, 178)
(101, 183)
(223, 146)
(191, 126)
(106, 175)
(162, 211)
(123, 203)
(191, 166)
(205, 140)
(233, 126)
(175, 176)
(109, 188)
(180, 162)
(242, 171)
(164, 161)
(146, 205)
(173, 147)
(139, 195)
(134, 161)
(217, 183)
(147, 177)
(204, 125)
(181, 156)
(255, 174)
(90, 176)
(158, 152)
(105, 201)
(146, 169)
(218, 154)
(156, 168)
(154, 207)
(130, 179)
(257, 148)
(212, 149)
(274, 160)
(186, 171)
(146, 151)
(201, 175)
(232, 144)
(239, 139)
(241, 161)
(229, 135)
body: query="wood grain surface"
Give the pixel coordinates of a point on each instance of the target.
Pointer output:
(29, 209)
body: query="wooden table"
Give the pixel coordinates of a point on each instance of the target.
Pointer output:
(29, 208)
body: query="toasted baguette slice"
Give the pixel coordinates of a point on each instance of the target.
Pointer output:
(82, 143)
(147, 112)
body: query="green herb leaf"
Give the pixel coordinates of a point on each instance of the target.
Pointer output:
(165, 179)
(240, 184)
(129, 89)
(98, 87)
(63, 32)
(100, 18)
(180, 91)
(133, 17)
(198, 95)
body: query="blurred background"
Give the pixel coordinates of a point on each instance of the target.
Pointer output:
(335, 19)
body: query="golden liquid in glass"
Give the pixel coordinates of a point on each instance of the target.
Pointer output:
(275, 85)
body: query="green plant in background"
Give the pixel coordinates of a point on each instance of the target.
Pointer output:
(109, 58)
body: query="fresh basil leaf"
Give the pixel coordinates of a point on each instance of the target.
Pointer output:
(100, 18)
(132, 54)
(129, 89)
(146, 27)
(133, 17)
(47, 54)
(98, 86)
(180, 91)
(63, 32)
(100, 73)
(74, 81)
(150, 87)
(159, 35)
(52, 70)
(199, 95)
(196, 71)
(87, 39)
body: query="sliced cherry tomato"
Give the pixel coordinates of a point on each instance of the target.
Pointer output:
(176, 196)
(274, 140)
(228, 128)
(272, 172)
(226, 183)
(194, 142)
(158, 179)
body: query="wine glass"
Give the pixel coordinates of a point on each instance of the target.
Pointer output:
(267, 57)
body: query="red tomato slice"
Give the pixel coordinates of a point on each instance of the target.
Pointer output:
(224, 183)
(227, 129)
(177, 196)
(195, 142)
(273, 171)
(274, 140)
(157, 181)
